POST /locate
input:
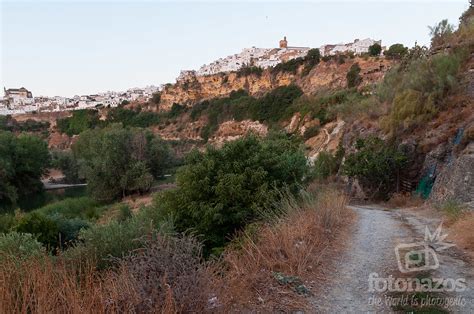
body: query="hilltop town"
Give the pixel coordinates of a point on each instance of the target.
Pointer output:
(21, 100)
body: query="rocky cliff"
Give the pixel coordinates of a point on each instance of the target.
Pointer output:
(325, 75)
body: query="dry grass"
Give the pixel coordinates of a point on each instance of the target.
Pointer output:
(169, 276)
(166, 277)
(404, 200)
(294, 245)
(461, 232)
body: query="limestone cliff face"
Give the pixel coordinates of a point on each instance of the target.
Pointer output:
(331, 74)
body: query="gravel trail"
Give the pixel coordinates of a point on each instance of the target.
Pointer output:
(371, 249)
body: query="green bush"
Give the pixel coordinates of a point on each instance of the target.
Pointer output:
(42, 227)
(250, 70)
(311, 132)
(327, 164)
(290, 66)
(80, 207)
(375, 50)
(353, 76)
(102, 244)
(418, 89)
(80, 121)
(19, 246)
(273, 106)
(376, 164)
(396, 51)
(221, 190)
(7, 221)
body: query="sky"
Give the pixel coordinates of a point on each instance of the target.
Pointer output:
(67, 48)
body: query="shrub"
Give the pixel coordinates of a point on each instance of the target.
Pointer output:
(79, 207)
(311, 132)
(167, 275)
(396, 51)
(102, 243)
(375, 50)
(353, 76)
(418, 89)
(440, 32)
(42, 227)
(19, 246)
(249, 70)
(80, 121)
(273, 106)
(156, 98)
(290, 66)
(221, 190)
(327, 164)
(376, 164)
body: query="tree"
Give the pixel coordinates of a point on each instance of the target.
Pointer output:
(156, 98)
(376, 165)
(440, 32)
(353, 76)
(396, 51)
(23, 160)
(375, 50)
(117, 161)
(221, 190)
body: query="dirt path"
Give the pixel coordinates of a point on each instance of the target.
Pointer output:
(372, 250)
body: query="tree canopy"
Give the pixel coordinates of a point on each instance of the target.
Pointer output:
(117, 161)
(23, 160)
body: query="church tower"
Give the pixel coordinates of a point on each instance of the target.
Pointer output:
(283, 43)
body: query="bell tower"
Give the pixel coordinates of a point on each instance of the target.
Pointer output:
(283, 43)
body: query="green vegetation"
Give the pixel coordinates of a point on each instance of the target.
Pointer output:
(376, 164)
(7, 123)
(271, 108)
(417, 90)
(116, 161)
(396, 51)
(23, 160)
(133, 118)
(80, 121)
(353, 76)
(65, 161)
(249, 70)
(440, 32)
(375, 50)
(327, 164)
(221, 190)
(309, 61)
(19, 247)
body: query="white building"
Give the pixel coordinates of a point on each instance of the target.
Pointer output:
(357, 47)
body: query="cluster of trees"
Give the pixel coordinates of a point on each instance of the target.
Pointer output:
(116, 161)
(80, 121)
(23, 160)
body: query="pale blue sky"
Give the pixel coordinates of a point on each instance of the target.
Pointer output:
(67, 48)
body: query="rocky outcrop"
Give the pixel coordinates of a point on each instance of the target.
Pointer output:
(456, 180)
(331, 74)
(232, 130)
